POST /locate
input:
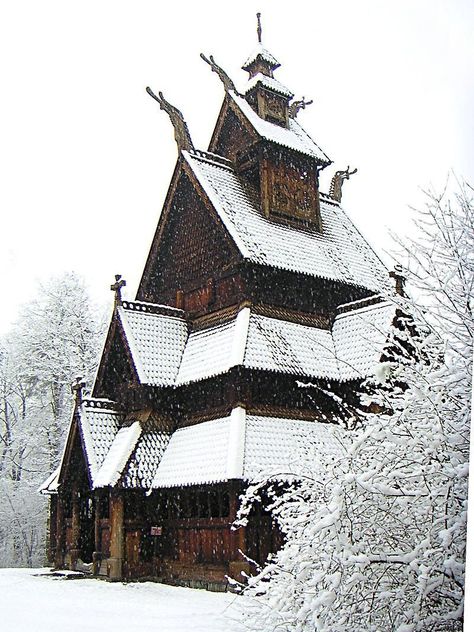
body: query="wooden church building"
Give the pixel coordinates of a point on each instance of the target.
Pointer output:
(256, 282)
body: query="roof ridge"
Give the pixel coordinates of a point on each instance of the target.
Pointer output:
(152, 308)
(209, 156)
(353, 306)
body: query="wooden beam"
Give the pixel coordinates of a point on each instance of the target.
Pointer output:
(117, 536)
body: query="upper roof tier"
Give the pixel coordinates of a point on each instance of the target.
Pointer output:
(261, 54)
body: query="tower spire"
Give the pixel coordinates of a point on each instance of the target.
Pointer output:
(259, 28)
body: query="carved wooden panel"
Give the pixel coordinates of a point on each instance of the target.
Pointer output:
(291, 191)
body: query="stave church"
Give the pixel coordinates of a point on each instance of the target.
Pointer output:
(256, 283)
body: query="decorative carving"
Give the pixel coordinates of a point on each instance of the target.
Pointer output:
(77, 388)
(227, 82)
(117, 288)
(181, 131)
(397, 274)
(259, 28)
(296, 106)
(335, 190)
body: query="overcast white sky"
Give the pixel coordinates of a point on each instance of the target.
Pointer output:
(86, 156)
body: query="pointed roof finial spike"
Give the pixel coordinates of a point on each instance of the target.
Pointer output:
(259, 28)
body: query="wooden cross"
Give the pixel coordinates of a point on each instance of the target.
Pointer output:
(397, 274)
(117, 288)
(77, 387)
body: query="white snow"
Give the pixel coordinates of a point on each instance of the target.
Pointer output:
(339, 252)
(268, 82)
(156, 342)
(31, 600)
(119, 453)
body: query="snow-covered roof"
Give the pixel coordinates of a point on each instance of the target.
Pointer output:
(98, 425)
(145, 458)
(349, 351)
(118, 455)
(268, 82)
(50, 485)
(243, 446)
(156, 342)
(294, 137)
(338, 252)
(360, 336)
(260, 52)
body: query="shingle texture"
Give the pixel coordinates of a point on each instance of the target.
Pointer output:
(98, 427)
(143, 464)
(338, 252)
(270, 83)
(119, 453)
(294, 137)
(349, 351)
(360, 337)
(156, 342)
(197, 454)
(272, 446)
(262, 53)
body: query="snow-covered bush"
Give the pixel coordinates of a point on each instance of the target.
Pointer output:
(376, 540)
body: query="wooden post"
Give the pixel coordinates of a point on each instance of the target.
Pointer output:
(117, 535)
(60, 533)
(76, 529)
(237, 563)
(97, 554)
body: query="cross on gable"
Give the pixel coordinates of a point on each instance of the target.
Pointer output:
(77, 387)
(117, 288)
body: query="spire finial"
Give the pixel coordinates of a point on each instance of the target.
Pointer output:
(77, 387)
(259, 28)
(117, 288)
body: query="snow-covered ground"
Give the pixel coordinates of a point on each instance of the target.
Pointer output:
(31, 600)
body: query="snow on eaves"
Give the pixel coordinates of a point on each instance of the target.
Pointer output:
(294, 137)
(262, 53)
(146, 457)
(98, 428)
(338, 252)
(360, 336)
(120, 451)
(348, 351)
(50, 485)
(156, 342)
(270, 83)
(243, 446)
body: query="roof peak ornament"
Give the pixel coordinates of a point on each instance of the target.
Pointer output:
(181, 130)
(335, 190)
(259, 28)
(296, 106)
(399, 277)
(117, 288)
(76, 389)
(227, 82)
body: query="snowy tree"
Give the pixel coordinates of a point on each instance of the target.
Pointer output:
(55, 339)
(376, 540)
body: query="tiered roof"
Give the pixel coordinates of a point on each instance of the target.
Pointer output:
(347, 351)
(337, 252)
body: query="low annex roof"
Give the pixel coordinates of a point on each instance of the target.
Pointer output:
(338, 252)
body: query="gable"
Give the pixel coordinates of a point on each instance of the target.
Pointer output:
(116, 365)
(232, 134)
(190, 251)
